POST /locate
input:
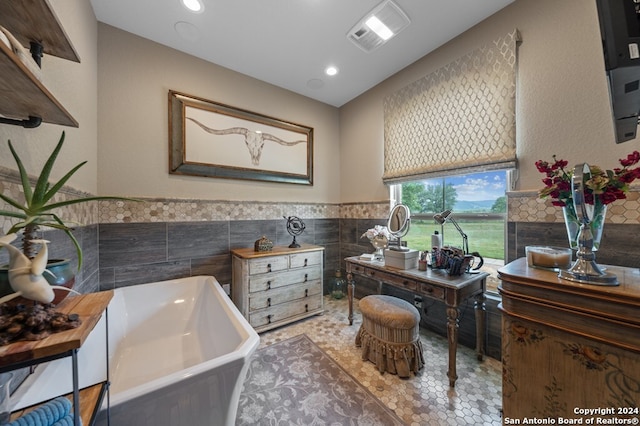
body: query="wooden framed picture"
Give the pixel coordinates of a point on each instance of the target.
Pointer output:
(211, 139)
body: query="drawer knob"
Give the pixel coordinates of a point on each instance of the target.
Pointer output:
(306, 292)
(305, 262)
(306, 277)
(268, 302)
(269, 267)
(405, 282)
(306, 308)
(269, 285)
(429, 289)
(269, 319)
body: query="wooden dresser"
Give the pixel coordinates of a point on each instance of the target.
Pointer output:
(277, 287)
(569, 350)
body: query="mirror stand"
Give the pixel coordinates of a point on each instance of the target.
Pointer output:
(398, 246)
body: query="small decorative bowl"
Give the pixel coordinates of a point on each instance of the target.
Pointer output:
(263, 244)
(551, 258)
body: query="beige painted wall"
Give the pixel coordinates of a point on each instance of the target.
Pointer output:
(562, 102)
(75, 86)
(562, 108)
(135, 76)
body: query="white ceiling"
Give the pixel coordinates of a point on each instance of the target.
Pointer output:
(289, 43)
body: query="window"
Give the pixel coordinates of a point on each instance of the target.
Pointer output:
(478, 204)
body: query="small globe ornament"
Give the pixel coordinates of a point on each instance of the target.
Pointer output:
(295, 227)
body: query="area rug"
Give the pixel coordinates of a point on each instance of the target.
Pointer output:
(294, 382)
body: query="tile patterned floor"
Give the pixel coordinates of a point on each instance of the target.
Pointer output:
(425, 399)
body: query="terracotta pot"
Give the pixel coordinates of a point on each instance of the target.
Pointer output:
(64, 276)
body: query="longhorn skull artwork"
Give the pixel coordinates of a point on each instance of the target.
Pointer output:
(254, 140)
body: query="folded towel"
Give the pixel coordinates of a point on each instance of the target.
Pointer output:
(47, 414)
(66, 421)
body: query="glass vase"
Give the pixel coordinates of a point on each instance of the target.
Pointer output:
(338, 286)
(379, 242)
(573, 224)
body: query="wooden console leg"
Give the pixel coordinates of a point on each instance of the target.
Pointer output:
(452, 334)
(350, 290)
(481, 330)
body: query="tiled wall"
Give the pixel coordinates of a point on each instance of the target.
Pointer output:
(129, 243)
(532, 221)
(137, 253)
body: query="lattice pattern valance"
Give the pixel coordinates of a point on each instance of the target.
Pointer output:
(460, 118)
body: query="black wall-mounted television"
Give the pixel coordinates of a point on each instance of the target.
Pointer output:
(620, 31)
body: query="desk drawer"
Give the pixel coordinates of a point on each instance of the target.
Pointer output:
(394, 280)
(432, 291)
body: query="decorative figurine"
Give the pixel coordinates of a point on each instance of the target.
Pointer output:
(26, 275)
(263, 244)
(295, 227)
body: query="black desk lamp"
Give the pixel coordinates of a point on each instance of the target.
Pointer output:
(445, 216)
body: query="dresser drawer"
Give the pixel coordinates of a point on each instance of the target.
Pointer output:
(265, 265)
(302, 260)
(284, 311)
(274, 280)
(432, 291)
(267, 299)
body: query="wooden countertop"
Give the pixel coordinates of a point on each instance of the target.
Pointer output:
(250, 253)
(89, 307)
(627, 292)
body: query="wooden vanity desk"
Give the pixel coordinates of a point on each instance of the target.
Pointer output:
(434, 284)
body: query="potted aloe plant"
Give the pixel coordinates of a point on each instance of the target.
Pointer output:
(38, 211)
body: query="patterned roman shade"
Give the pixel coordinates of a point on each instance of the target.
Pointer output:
(460, 118)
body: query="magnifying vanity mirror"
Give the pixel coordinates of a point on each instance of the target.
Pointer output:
(398, 225)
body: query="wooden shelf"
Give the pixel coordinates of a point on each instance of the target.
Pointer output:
(89, 307)
(35, 20)
(22, 95)
(90, 398)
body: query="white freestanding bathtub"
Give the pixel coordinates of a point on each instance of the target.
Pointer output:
(178, 354)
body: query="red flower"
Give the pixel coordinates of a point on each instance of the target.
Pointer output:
(631, 159)
(602, 186)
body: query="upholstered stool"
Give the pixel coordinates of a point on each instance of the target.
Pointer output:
(389, 335)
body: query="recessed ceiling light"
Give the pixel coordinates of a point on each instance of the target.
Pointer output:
(331, 70)
(194, 6)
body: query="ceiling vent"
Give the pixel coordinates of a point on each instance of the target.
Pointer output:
(367, 37)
